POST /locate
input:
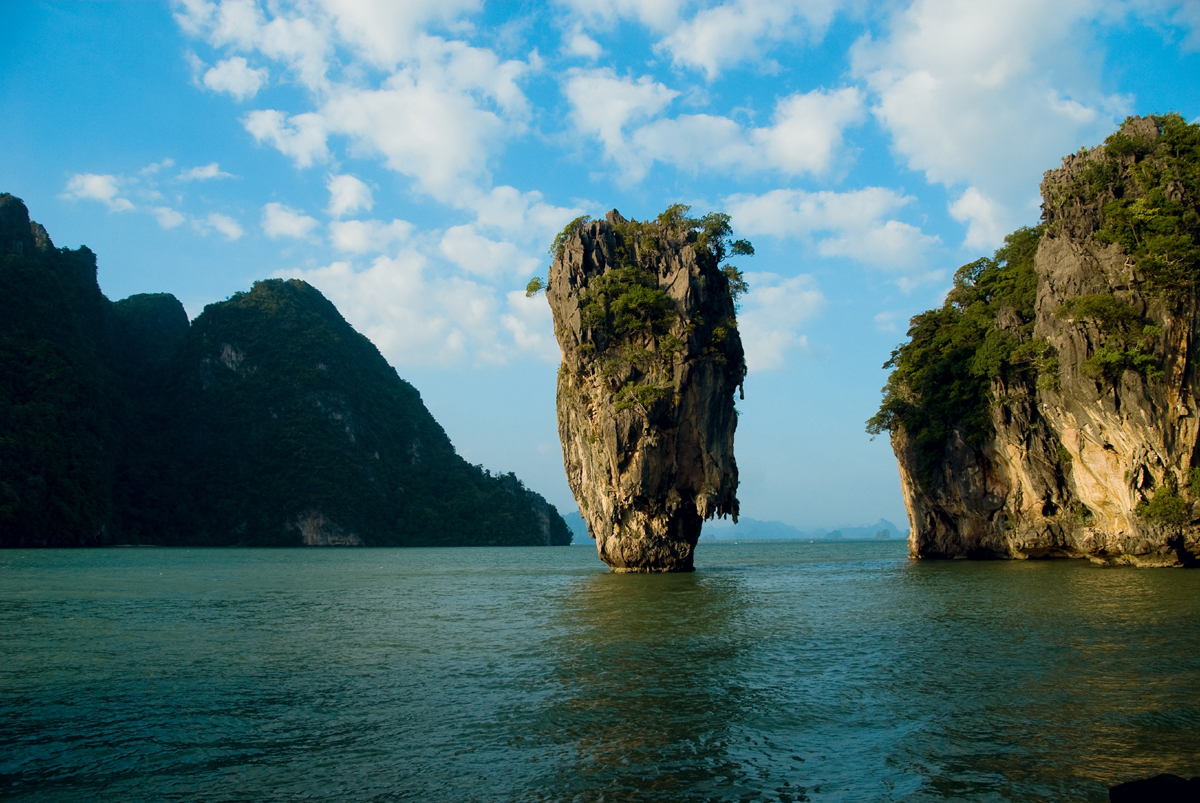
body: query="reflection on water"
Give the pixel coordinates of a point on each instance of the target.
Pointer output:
(649, 689)
(835, 672)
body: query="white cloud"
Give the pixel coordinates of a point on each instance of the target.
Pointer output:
(578, 43)
(93, 187)
(891, 244)
(153, 168)
(299, 42)
(728, 33)
(412, 315)
(208, 171)
(237, 77)
(520, 216)
(385, 31)
(348, 194)
(167, 217)
(807, 130)
(981, 214)
(301, 137)
(367, 236)
(222, 224)
(886, 322)
(771, 314)
(603, 105)
(442, 108)
(283, 221)
(853, 224)
(989, 94)
(658, 15)
(531, 325)
(805, 135)
(467, 249)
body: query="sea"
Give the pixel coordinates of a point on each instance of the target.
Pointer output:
(775, 672)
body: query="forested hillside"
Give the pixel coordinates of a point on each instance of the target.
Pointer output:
(267, 421)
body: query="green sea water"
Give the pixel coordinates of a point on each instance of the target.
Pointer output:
(790, 672)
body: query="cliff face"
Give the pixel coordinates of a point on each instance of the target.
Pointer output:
(1089, 443)
(651, 357)
(266, 421)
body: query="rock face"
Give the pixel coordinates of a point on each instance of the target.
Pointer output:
(1090, 446)
(651, 357)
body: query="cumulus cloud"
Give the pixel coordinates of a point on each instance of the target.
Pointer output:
(658, 15)
(208, 171)
(414, 316)
(301, 136)
(477, 254)
(283, 221)
(578, 43)
(440, 110)
(531, 325)
(167, 217)
(981, 215)
(348, 194)
(771, 315)
(805, 135)
(890, 244)
(237, 77)
(367, 236)
(848, 224)
(222, 224)
(988, 94)
(885, 322)
(154, 167)
(386, 32)
(523, 216)
(729, 33)
(93, 187)
(603, 105)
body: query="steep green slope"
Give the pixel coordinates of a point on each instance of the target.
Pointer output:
(268, 421)
(292, 426)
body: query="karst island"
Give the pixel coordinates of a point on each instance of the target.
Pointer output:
(645, 317)
(1049, 408)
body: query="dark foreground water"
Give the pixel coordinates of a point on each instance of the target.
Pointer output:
(776, 672)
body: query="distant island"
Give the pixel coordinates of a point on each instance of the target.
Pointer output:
(1050, 407)
(266, 421)
(755, 530)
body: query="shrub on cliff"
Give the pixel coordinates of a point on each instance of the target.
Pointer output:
(941, 378)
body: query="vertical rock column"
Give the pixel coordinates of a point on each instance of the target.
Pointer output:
(651, 358)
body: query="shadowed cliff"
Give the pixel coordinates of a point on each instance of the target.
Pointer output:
(267, 421)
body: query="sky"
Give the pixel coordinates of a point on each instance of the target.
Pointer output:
(413, 161)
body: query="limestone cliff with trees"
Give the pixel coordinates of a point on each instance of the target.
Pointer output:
(1049, 407)
(651, 357)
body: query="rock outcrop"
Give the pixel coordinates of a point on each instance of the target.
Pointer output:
(644, 315)
(1084, 441)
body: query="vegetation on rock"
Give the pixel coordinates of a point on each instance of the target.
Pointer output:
(942, 377)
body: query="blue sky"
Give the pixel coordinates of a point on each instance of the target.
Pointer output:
(414, 160)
